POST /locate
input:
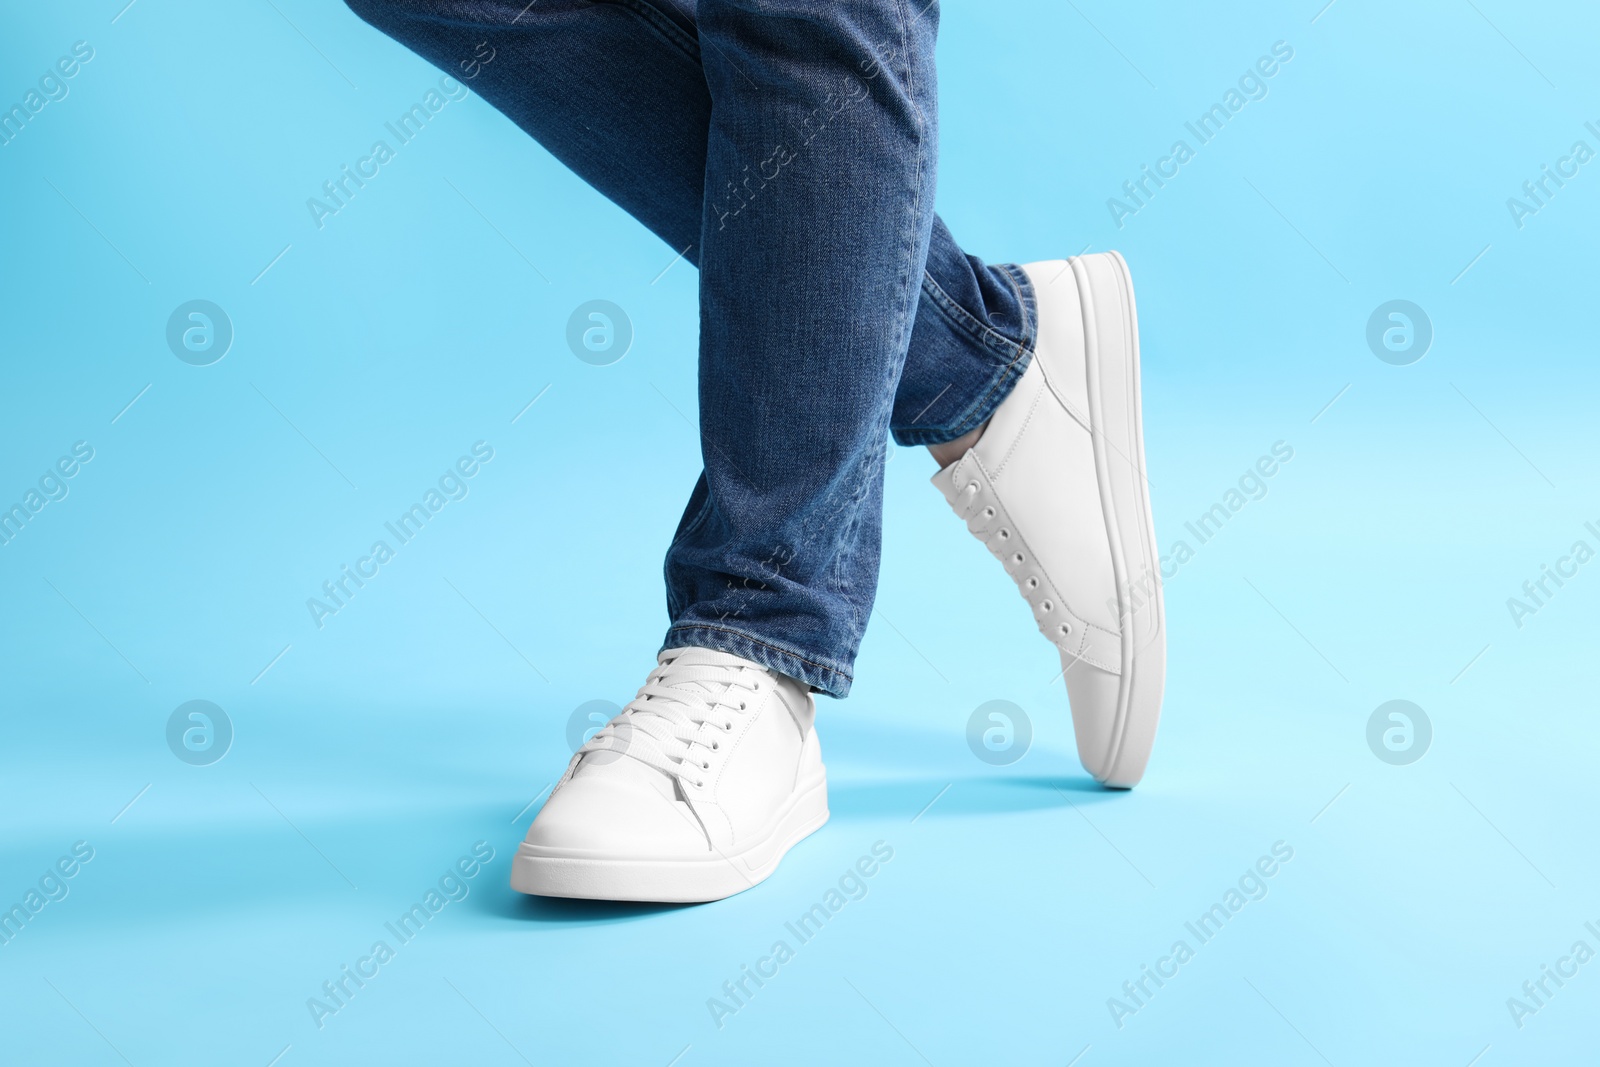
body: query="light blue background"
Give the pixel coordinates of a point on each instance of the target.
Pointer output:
(432, 710)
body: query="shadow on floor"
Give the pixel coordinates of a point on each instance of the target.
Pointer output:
(945, 798)
(902, 799)
(506, 903)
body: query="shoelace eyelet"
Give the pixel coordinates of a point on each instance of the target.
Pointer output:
(1066, 629)
(1017, 558)
(1047, 607)
(988, 513)
(1004, 534)
(1033, 583)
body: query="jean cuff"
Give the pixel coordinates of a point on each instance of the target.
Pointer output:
(964, 368)
(832, 680)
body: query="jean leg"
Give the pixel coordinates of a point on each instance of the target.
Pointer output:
(810, 278)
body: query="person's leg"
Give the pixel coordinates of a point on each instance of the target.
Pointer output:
(809, 288)
(616, 91)
(807, 301)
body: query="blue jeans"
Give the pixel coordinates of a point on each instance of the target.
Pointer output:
(790, 147)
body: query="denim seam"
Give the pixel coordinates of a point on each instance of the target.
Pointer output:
(1004, 375)
(694, 524)
(909, 288)
(972, 416)
(669, 31)
(662, 24)
(827, 670)
(1020, 289)
(963, 320)
(841, 581)
(1030, 307)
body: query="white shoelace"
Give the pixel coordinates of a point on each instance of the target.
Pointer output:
(686, 705)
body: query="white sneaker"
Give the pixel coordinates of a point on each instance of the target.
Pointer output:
(693, 792)
(1055, 488)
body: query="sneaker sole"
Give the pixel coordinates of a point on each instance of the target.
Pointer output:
(550, 872)
(1111, 339)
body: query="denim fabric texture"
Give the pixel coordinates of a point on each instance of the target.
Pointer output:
(788, 149)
